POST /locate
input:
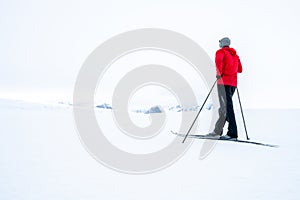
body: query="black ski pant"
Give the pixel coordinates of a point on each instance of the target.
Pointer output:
(226, 112)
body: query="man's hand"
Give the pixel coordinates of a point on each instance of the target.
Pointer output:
(218, 76)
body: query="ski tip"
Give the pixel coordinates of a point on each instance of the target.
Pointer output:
(275, 145)
(173, 132)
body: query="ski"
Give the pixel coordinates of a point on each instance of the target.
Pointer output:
(204, 137)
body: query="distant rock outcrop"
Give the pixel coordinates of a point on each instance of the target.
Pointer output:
(104, 106)
(154, 109)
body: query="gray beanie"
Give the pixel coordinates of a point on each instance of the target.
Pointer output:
(224, 42)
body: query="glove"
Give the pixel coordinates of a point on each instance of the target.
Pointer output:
(218, 76)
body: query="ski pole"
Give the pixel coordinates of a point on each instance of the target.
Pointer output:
(237, 90)
(199, 112)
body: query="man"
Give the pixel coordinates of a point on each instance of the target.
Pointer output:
(228, 65)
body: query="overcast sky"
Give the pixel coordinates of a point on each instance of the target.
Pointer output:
(44, 43)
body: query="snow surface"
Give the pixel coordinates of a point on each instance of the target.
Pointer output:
(41, 157)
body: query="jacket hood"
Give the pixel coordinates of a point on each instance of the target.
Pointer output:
(231, 50)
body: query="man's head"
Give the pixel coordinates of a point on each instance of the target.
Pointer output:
(224, 42)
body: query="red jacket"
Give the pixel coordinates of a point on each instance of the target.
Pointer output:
(228, 64)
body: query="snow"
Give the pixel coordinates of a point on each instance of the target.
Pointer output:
(41, 157)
